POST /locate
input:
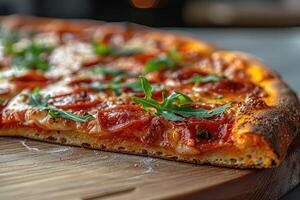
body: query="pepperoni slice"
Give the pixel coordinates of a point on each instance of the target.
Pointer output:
(75, 82)
(77, 100)
(123, 118)
(231, 86)
(187, 73)
(31, 75)
(91, 62)
(203, 124)
(143, 58)
(157, 95)
(154, 134)
(30, 80)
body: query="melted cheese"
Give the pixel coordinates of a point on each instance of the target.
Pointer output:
(49, 39)
(17, 104)
(68, 58)
(22, 44)
(141, 43)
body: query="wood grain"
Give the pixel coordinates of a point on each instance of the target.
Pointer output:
(36, 170)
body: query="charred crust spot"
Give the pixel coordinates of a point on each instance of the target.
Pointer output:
(144, 151)
(51, 138)
(102, 146)
(173, 157)
(252, 103)
(280, 123)
(274, 164)
(62, 140)
(86, 145)
(121, 148)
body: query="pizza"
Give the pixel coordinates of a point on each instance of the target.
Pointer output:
(130, 89)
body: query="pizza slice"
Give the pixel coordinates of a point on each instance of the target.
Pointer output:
(140, 91)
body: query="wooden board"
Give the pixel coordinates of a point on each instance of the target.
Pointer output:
(36, 170)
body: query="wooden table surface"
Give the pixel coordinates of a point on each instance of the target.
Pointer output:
(36, 170)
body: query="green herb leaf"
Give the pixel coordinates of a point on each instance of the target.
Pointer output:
(147, 88)
(35, 100)
(57, 113)
(174, 107)
(102, 69)
(171, 116)
(116, 85)
(31, 58)
(205, 79)
(125, 52)
(2, 102)
(103, 49)
(167, 61)
(218, 96)
(176, 96)
(202, 134)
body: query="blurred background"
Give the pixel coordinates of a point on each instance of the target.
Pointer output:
(183, 13)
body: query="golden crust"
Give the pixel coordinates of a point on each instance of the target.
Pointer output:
(261, 136)
(278, 125)
(227, 155)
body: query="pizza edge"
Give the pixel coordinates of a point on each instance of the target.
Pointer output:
(280, 124)
(227, 156)
(275, 127)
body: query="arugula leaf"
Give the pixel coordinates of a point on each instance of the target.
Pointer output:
(126, 52)
(2, 102)
(176, 96)
(174, 107)
(171, 116)
(57, 113)
(167, 61)
(218, 96)
(205, 79)
(146, 87)
(102, 69)
(103, 49)
(31, 58)
(35, 99)
(202, 134)
(115, 85)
